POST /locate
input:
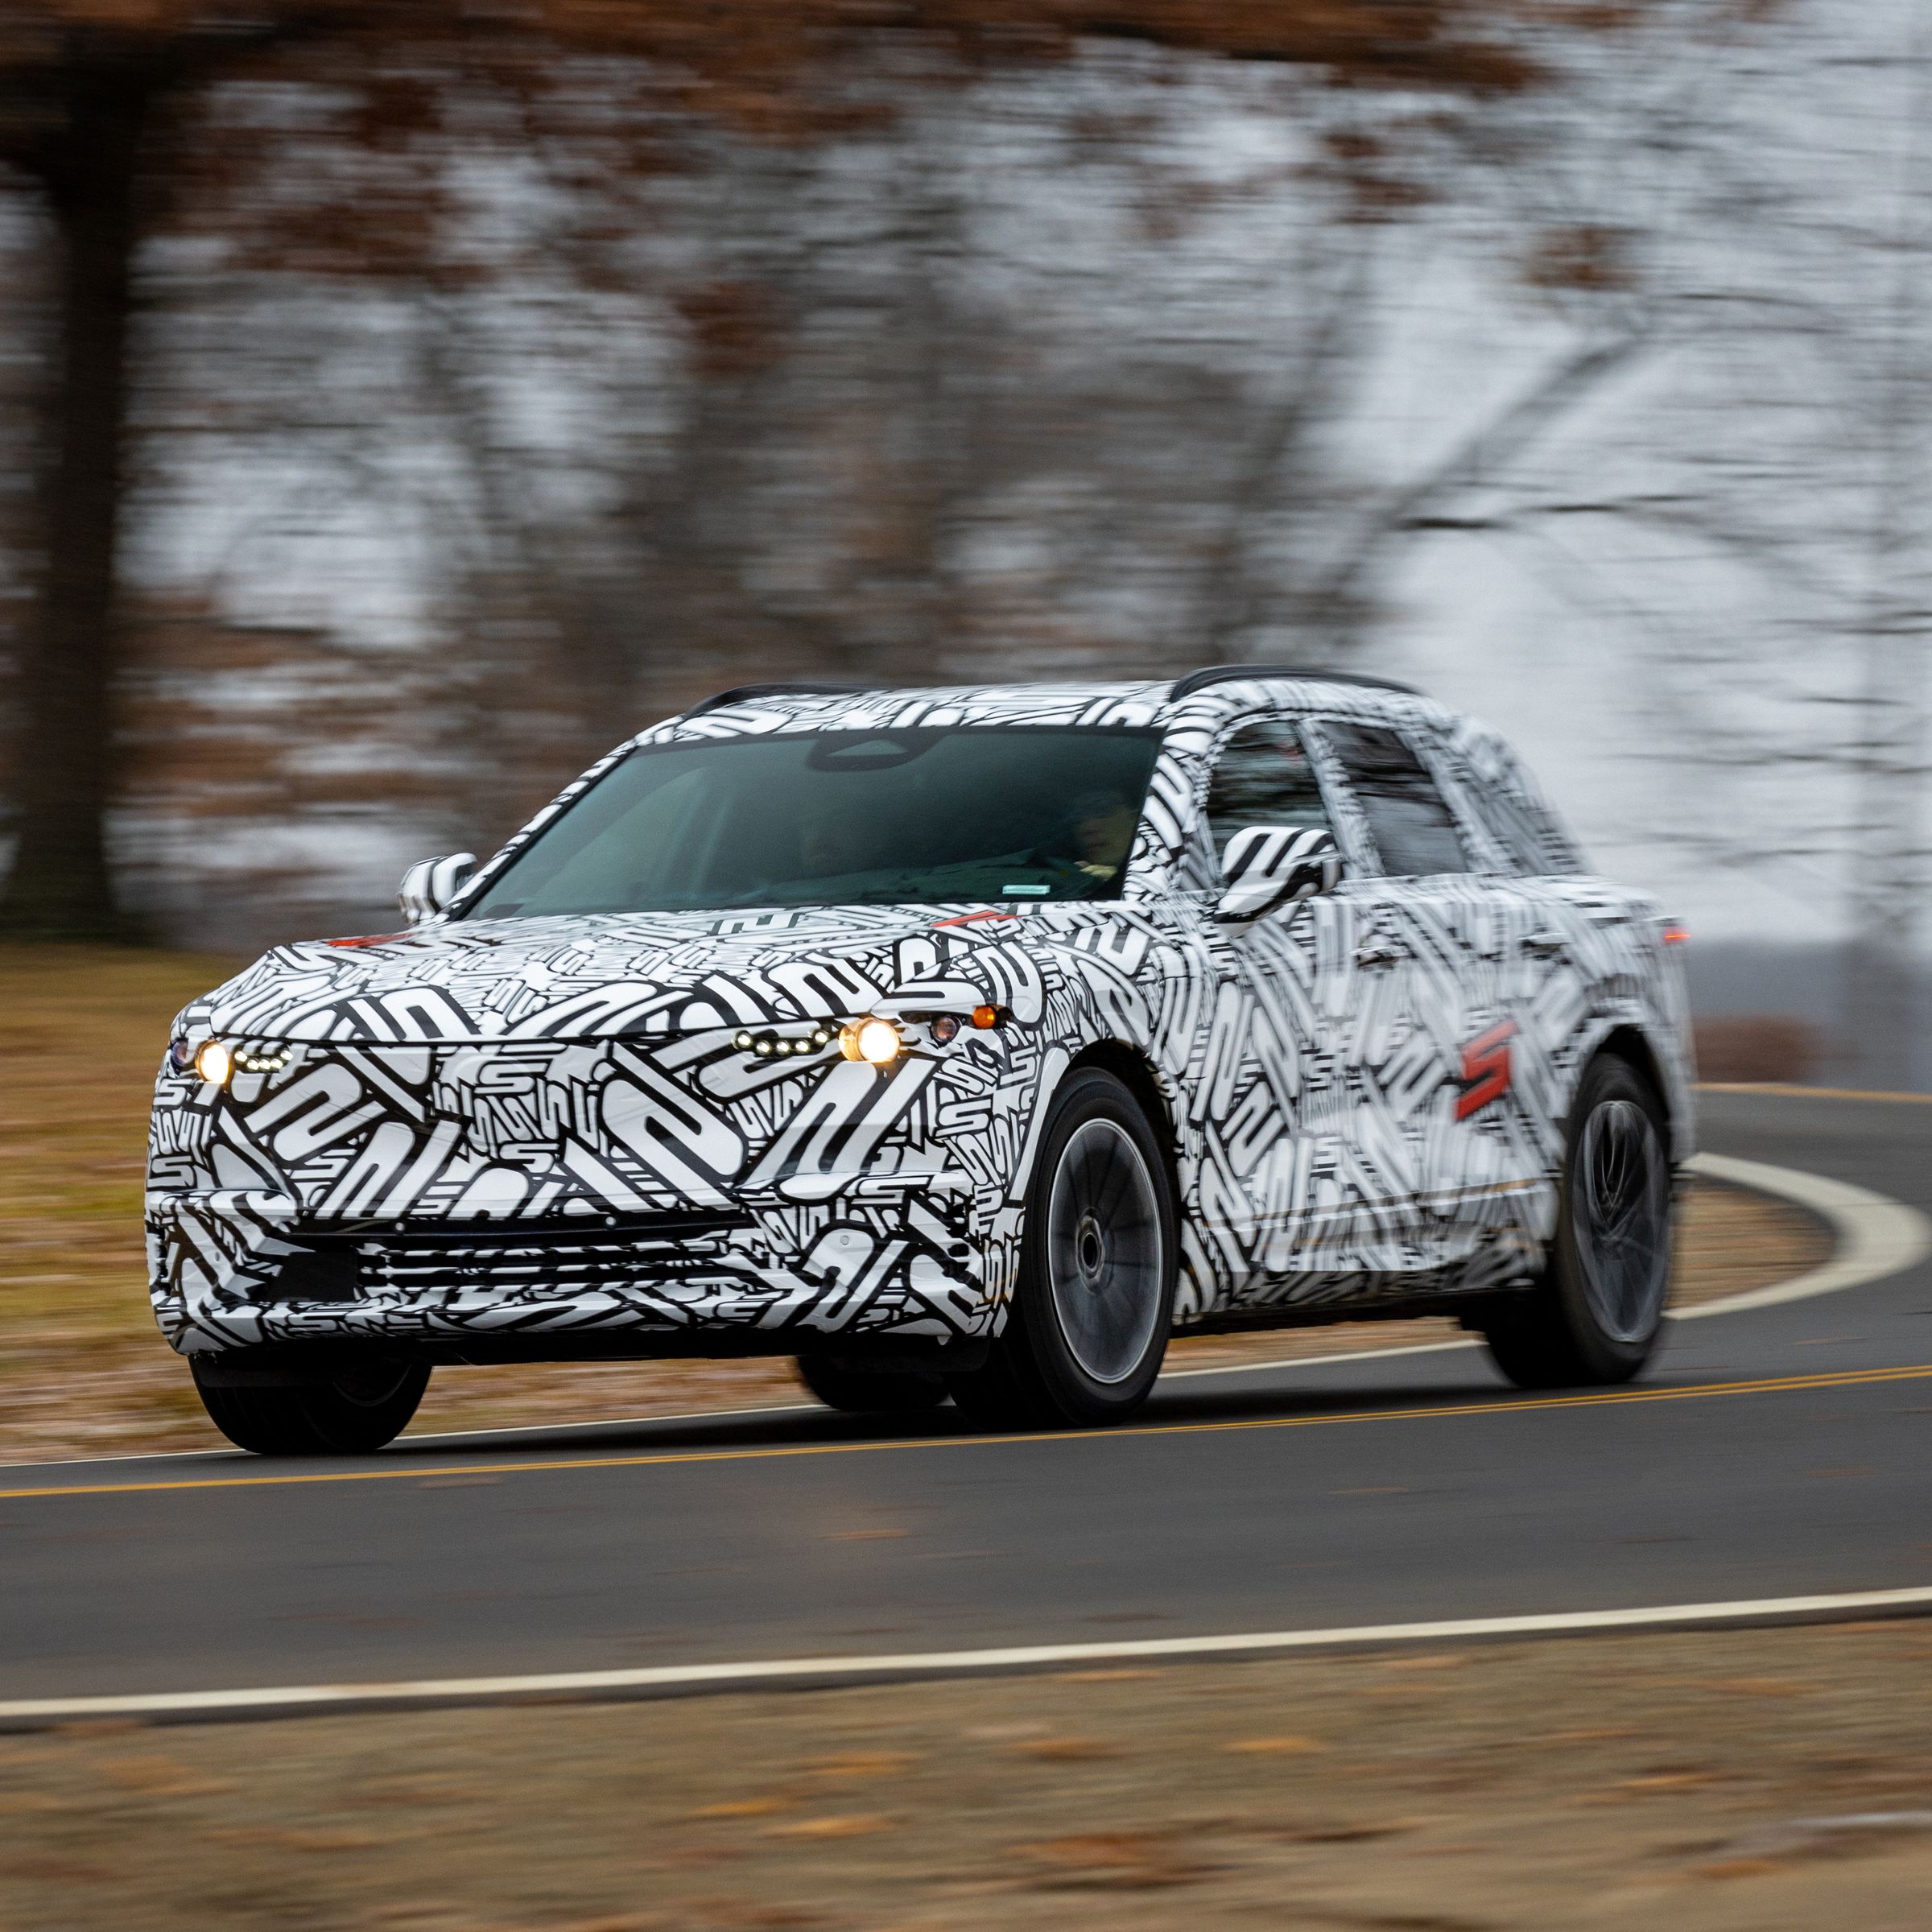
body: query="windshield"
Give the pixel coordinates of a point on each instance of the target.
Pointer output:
(920, 816)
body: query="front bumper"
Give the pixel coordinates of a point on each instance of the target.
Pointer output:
(886, 1260)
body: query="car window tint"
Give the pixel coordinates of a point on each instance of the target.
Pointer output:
(1262, 778)
(1413, 829)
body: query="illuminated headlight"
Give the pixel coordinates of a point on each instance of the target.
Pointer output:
(876, 1041)
(214, 1062)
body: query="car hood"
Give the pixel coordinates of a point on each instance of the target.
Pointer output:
(591, 977)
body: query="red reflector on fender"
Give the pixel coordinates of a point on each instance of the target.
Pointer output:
(1674, 934)
(370, 939)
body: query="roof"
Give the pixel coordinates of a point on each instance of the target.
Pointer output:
(1140, 702)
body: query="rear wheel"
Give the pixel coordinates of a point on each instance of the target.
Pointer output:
(1596, 1314)
(870, 1391)
(1088, 1325)
(348, 1414)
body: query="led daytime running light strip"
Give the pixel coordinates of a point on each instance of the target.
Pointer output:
(773, 1045)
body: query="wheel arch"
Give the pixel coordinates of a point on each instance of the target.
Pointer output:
(1631, 1044)
(1135, 1072)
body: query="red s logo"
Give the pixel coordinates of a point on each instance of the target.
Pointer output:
(1485, 1069)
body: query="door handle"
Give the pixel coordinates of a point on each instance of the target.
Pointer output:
(1378, 952)
(1542, 944)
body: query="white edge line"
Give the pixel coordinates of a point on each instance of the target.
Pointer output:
(443, 1435)
(293, 1698)
(1875, 1236)
(1321, 1361)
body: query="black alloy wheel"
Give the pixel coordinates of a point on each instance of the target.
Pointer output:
(351, 1413)
(1596, 1314)
(1087, 1328)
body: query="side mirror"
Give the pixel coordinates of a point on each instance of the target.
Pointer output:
(430, 884)
(1269, 865)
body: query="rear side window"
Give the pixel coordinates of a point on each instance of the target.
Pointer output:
(1413, 829)
(1513, 811)
(1508, 822)
(1262, 777)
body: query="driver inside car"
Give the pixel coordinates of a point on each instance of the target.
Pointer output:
(1103, 823)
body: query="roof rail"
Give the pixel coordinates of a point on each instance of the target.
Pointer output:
(743, 693)
(1229, 674)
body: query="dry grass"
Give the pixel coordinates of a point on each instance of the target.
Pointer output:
(84, 1372)
(1756, 1046)
(1734, 1781)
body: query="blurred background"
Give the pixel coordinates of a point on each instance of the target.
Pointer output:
(399, 404)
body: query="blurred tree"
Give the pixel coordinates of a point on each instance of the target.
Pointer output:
(101, 106)
(1740, 217)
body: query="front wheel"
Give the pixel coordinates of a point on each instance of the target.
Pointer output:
(1596, 1314)
(1088, 1326)
(349, 1415)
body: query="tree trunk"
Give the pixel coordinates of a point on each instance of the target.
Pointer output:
(60, 887)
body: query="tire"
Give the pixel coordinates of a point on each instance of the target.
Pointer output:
(1088, 1325)
(352, 1414)
(1596, 1314)
(870, 1391)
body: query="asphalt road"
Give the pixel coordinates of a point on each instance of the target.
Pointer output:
(1769, 1453)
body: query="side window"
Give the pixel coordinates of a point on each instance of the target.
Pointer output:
(1413, 829)
(1535, 829)
(1508, 824)
(1262, 777)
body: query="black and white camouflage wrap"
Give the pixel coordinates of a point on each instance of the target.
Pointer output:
(547, 1127)
(1266, 866)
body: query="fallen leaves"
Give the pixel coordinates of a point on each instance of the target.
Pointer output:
(849, 1825)
(1125, 1860)
(1650, 1784)
(1067, 1750)
(859, 1766)
(1355, 1833)
(1214, 1791)
(162, 1778)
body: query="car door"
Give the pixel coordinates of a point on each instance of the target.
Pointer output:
(1274, 1096)
(1442, 1121)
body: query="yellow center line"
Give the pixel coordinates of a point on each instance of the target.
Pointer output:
(410, 1473)
(1785, 1090)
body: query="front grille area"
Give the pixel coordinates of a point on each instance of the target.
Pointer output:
(348, 1260)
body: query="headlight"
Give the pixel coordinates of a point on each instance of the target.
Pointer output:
(877, 1042)
(214, 1063)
